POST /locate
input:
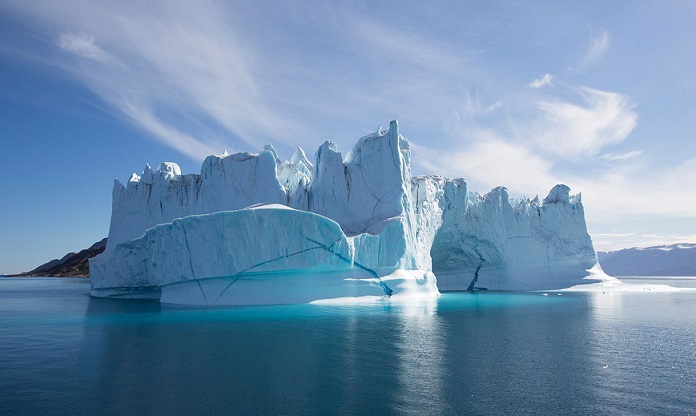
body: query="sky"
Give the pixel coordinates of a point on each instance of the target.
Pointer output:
(598, 95)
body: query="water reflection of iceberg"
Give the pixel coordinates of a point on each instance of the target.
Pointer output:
(420, 359)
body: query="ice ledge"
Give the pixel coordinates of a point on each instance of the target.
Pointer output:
(264, 254)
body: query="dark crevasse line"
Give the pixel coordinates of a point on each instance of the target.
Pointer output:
(235, 277)
(472, 285)
(387, 290)
(190, 259)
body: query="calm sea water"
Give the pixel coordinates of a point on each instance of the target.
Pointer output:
(62, 352)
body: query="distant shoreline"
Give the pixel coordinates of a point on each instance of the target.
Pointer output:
(71, 265)
(22, 275)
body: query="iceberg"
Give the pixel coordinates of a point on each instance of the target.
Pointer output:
(254, 229)
(500, 243)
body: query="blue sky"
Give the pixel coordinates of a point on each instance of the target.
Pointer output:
(598, 95)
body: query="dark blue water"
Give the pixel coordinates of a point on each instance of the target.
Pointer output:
(62, 352)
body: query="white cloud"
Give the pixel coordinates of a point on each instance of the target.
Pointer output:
(203, 76)
(84, 46)
(473, 107)
(598, 47)
(496, 105)
(530, 152)
(406, 46)
(546, 80)
(572, 131)
(487, 160)
(641, 195)
(611, 157)
(185, 143)
(183, 73)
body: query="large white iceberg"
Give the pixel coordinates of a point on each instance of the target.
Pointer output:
(252, 229)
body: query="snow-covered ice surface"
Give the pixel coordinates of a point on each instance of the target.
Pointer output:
(252, 228)
(603, 283)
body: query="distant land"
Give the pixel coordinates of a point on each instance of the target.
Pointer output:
(71, 265)
(673, 260)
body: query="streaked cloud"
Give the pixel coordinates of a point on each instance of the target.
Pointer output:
(574, 130)
(546, 80)
(487, 160)
(472, 106)
(180, 71)
(598, 47)
(611, 157)
(406, 46)
(83, 46)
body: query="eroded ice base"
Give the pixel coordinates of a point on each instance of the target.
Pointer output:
(556, 274)
(286, 288)
(292, 288)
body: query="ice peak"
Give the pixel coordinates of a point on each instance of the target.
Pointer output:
(148, 176)
(300, 157)
(325, 154)
(330, 145)
(394, 128)
(326, 147)
(169, 170)
(270, 148)
(497, 195)
(559, 193)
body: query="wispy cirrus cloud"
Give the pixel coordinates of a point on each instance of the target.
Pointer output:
(182, 72)
(546, 80)
(407, 47)
(83, 46)
(203, 78)
(598, 47)
(612, 157)
(529, 150)
(573, 130)
(489, 160)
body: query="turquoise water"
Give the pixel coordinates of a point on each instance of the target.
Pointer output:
(62, 352)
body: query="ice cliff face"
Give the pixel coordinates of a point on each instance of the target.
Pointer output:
(495, 242)
(227, 258)
(358, 225)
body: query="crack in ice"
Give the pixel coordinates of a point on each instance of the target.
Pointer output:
(472, 287)
(235, 277)
(387, 290)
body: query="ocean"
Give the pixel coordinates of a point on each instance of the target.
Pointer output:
(486, 353)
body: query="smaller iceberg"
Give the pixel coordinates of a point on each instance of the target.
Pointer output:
(267, 254)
